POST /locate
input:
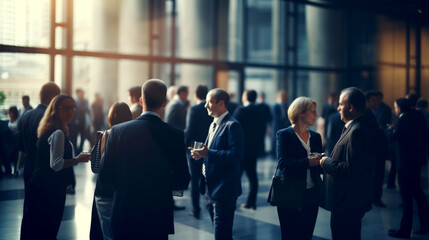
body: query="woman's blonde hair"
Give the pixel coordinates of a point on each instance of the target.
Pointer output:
(51, 119)
(298, 106)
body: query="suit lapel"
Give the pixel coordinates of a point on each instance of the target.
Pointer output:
(219, 129)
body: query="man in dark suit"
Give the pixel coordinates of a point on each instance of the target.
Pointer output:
(254, 130)
(348, 178)
(411, 134)
(176, 110)
(28, 125)
(145, 161)
(136, 109)
(223, 152)
(280, 119)
(265, 111)
(197, 126)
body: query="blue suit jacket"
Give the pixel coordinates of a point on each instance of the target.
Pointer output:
(223, 175)
(144, 160)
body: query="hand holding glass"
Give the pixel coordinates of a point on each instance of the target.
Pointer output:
(198, 145)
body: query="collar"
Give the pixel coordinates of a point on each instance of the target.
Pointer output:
(150, 114)
(219, 119)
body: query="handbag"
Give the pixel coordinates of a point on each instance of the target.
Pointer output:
(287, 192)
(96, 154)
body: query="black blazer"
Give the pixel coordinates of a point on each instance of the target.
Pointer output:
(144, 160)
(28, 124)
(254, 126)
(349, 170)
(198, 123)
(292, 156)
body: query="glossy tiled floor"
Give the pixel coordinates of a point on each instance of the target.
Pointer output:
(261, 224)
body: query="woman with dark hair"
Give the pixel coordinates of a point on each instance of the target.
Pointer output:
(47, 186)
(103, 197)
(299, 152)
(410, 132)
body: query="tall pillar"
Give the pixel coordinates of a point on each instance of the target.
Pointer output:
(280, 43)
(104, 72)
(326, 36)
(196, 32)
(235, 30)
(133, 39)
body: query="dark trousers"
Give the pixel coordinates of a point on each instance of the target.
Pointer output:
(299, 223)
(248, 165)
(222, 215)
(346, 224)
(44, 212)
(378, 179)
(196, 170)
(410, 188)
(95, 232)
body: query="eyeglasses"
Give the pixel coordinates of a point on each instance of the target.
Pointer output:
(312, 110)
(67, 109)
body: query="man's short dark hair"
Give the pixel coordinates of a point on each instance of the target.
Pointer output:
(251, 96)
(49, 91)
(369, 94)
(201, 92)
(413, 99)
(154, 92)
(379, 94)
(422, 103)
(355, 97)
(182, 89)
(26, 97)
(221, 95)
(135, 92)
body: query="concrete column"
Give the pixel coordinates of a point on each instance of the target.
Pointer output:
(104, 72)
(195, 40)
(235, 30)
(326, 36)
(133, 39)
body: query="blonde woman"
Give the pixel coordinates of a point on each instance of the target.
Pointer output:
(298, 154)
(47, 190)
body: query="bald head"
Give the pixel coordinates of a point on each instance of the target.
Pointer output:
(48, 92)
(153, 94)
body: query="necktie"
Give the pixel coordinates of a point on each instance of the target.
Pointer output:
(344, 129)
(212, 131)
(214, 127)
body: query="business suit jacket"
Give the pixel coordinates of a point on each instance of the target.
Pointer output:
(198, 123)
(175, 114)
(333, 131)
(28, 125)
(411, 133)
(223, 175)
(253, 127)
(349, 170)
(144, 160)
(293, 157)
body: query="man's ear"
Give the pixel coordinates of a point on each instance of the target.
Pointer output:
(351, 108)
(141, 101)
(164, 103)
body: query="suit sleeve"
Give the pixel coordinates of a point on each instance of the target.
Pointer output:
(190, 123)
(352, 153)
(283, 155)
(234, 151)
(180, 176)
(108, 165)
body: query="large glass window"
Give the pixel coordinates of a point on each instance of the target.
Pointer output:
(25, 22)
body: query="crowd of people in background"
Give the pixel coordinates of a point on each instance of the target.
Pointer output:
(159, 137)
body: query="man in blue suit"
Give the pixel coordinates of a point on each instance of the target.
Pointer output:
(197, 126)
(28, 124)
(145, 161)
(223, 152)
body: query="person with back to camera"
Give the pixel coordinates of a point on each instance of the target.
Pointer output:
(299, 152)
(103, 196)
(47, 186)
